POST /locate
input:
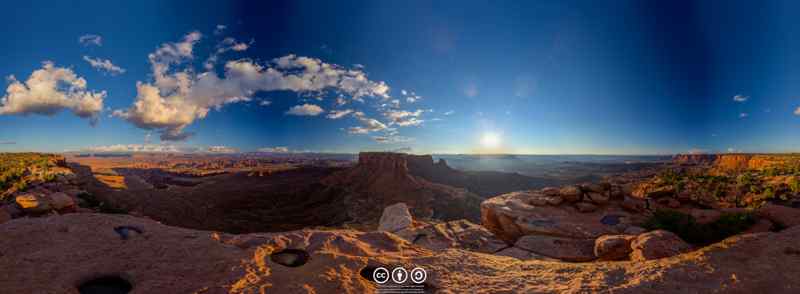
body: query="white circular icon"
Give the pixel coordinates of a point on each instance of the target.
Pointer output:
(399, 275)
(418, 275)
(380, 275)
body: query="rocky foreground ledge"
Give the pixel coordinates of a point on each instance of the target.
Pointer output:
(57, 254)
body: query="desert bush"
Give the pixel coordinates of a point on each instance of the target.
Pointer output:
(686, 227)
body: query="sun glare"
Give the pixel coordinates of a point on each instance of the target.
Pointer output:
(490, 140)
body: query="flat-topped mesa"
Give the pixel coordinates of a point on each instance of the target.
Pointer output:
(383, 178)
(383, 160)
(694, 158)
(401, 163)
(731, 161)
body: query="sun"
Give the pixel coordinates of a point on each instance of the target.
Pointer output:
(490, 140)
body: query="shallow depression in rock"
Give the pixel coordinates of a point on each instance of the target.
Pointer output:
(290, 257)
(105, 285)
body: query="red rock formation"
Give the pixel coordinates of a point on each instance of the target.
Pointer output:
(694, 158)
(382, 179)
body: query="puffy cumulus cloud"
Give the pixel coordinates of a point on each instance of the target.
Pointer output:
(227, 44)
(277, 149)
(367, 124)
(90, 39)
(741, 98)
(49, 90)
(411, 97)
(337, 114)
(178, 97)
(305, 110)
(221, 149)
(104, 65)
(404, 118)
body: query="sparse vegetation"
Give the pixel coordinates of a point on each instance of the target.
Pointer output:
(686, 227)
(18, 170)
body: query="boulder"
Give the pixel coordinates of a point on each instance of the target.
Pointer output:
(593, 187)
(634, 230)
(60, 201)
(550, 191)
(657, 244)
(613, 247)
(538, 200)
(510, 216)
(585, 207)
(571, 193)
(32, 203)
(599, 198)
(634, 205)
(782, 215)
(523, 254)
(395, 218)
(567, 249)
(554, 200)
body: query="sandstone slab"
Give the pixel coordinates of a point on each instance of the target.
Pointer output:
(395, 218)
(657, 244)
(575, 250)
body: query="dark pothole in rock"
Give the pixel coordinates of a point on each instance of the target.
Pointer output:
(611, 219)
(125, 231)
(290, 257)
(105, 285)
(368, 271)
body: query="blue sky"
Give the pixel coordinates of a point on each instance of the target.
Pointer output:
(574, 77)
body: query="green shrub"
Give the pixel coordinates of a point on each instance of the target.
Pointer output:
(686, 227)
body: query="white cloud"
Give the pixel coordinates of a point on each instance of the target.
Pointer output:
(104, 65)
(277, 149)
(450, 112)
(177, 98)
(90, 39)
(337, 114)
(49, 90)
(265, 103)
(305, 110)
(404, 118)
(740, 98)
(797, 111)
(411, 97)
(222, 149)
(743, 115)
(367, 124)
